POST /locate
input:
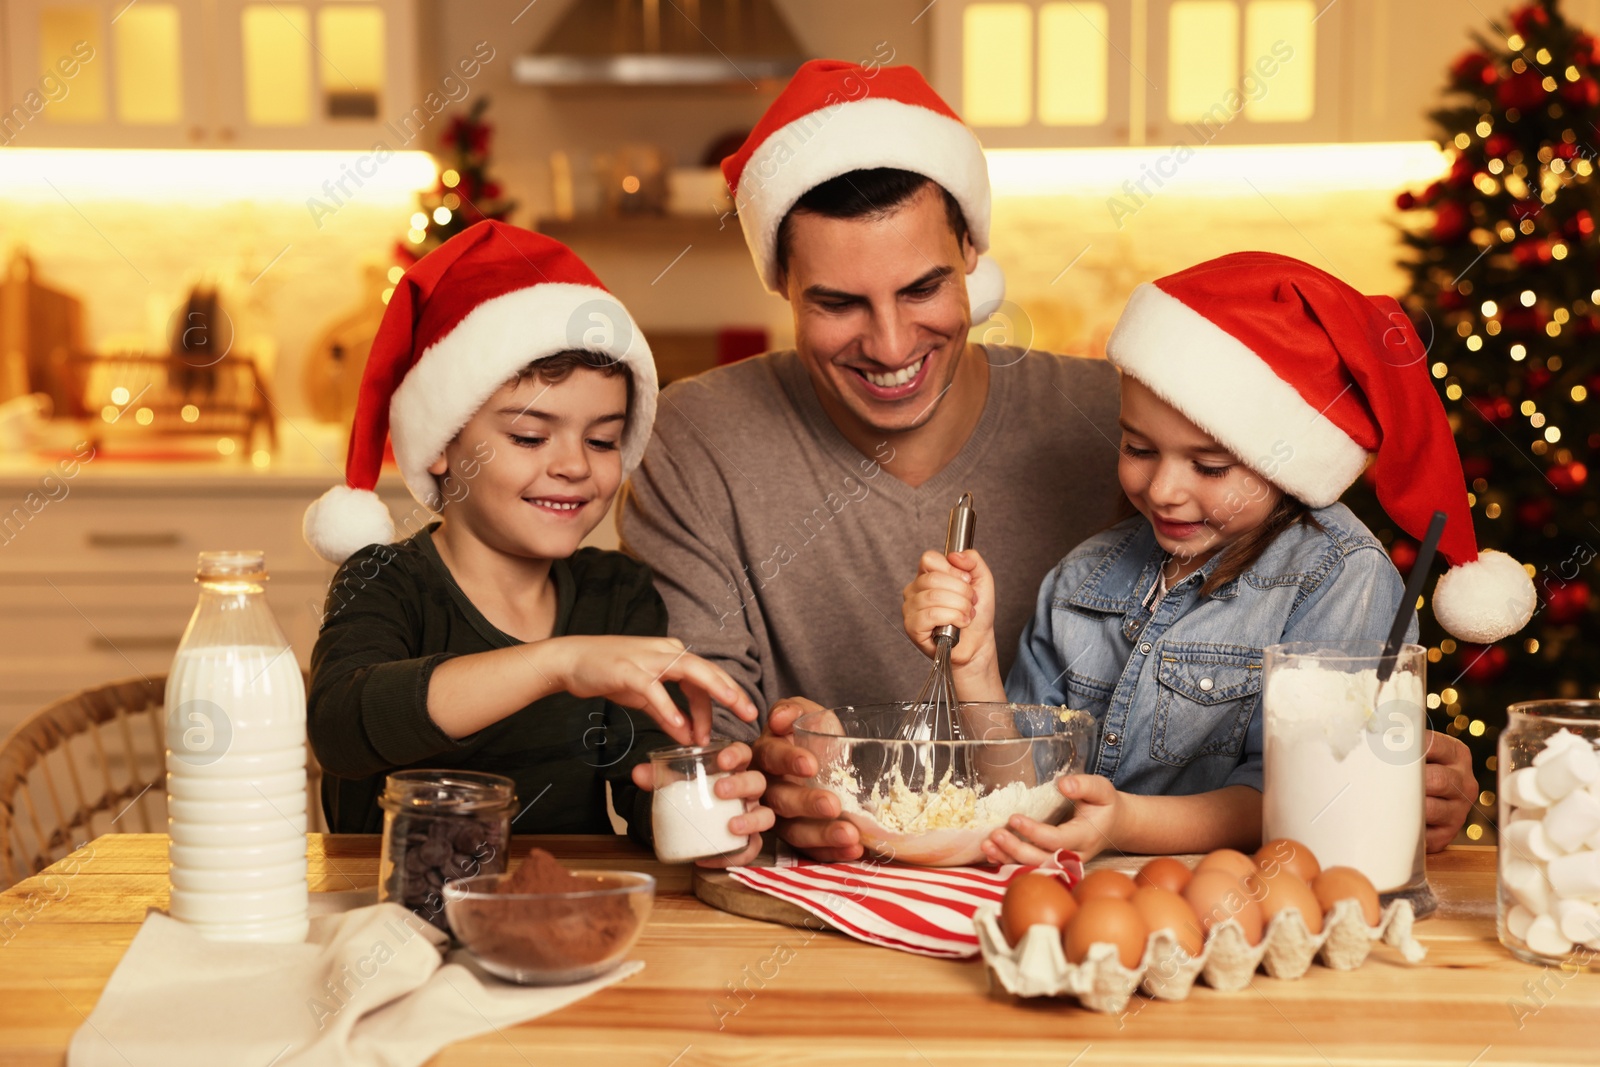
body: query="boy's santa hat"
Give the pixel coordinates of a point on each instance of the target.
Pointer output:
(836, 117)
(460, 324)
(1301, 377)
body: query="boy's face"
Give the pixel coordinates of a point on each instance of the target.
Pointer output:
(535, 469)
(1196, 494)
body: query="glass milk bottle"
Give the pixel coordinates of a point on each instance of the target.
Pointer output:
(236, 763)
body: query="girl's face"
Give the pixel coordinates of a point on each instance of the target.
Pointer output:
(535, 469)
(1196, 494)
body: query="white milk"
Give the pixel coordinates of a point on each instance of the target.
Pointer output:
(1345, 780)
(236, 733)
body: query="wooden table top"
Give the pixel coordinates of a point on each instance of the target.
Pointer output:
(812, 998)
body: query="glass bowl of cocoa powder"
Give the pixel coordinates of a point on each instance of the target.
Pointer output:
(545, 925)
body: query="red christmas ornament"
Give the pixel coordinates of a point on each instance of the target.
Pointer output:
(1567, 602)
(1530, 19)
(1524, 91)
(1403, 554)
(1482, 665)
(1499, 144)
(1568, 478)
(1450, 300)
(1489, 407)
(1530, 253)
(1581, 224)
(1535, 511)
(1461, 172)
(1405, 201)
(1450, 222)
(1585, 92)
(1565, 151)
(1474, 69)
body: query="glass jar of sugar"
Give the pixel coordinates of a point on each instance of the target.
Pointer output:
(1549, 853)
(1343, 760)
(689, 820)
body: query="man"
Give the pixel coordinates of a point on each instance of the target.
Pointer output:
(784, 501)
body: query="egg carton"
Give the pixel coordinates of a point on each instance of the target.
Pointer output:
(1038, 967)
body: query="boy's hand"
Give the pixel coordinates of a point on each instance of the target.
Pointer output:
(1094, 825)
(742, 783)
(631, 671)
(955, 590)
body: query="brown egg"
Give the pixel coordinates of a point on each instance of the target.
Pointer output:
(1291, 855)
(1217, 896)
(1162, 909)
(1104, 883)
(1165, 873)
(1106, 920)
(1342, 883)
(1283, 889)
(1035, 899)
(1226, 859)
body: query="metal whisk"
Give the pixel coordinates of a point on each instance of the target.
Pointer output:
(932, 716)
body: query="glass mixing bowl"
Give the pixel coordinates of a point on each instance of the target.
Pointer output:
(932, 803)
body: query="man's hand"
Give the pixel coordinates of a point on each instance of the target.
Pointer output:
(807, 817)
(1450, 786)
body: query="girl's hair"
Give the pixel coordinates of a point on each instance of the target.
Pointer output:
(552, 370)
(1239, 556)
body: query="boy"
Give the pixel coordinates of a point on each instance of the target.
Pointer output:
(517, 393)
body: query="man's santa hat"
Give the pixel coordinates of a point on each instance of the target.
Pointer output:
(835, 117)
(460, 324)
(1301, 377)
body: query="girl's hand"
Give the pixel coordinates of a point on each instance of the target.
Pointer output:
(631, 671)
(741, 783)
(1095, 825)
(955, 590)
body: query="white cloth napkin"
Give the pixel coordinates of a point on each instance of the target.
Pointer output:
(367, 987)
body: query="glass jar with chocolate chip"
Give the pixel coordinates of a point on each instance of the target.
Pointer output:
(441, 825)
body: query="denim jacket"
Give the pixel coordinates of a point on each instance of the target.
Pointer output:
(1175, 683)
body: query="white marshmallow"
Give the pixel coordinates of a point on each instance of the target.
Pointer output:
(1518, 919)
(1571, 821)
(1523, 791)
(1546, 938)
(1529, 839)
(1528, 884)
(1556, 744)
(1578, 919)
(1574, 768)
(1574, 876)
(1524, 815)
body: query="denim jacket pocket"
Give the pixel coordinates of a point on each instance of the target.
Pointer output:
(1206, 696)
(1089, 694)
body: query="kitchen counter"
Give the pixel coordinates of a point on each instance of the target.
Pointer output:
(718, 989)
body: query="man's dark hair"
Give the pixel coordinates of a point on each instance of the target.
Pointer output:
(863, 194)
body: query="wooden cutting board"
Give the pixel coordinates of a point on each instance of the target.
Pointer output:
(725, 893)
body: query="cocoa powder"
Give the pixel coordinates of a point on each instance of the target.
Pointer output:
(551, 933)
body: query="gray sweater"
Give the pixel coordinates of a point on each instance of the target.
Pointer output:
(780, 549)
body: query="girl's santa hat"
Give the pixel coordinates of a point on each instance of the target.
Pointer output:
(835, 117)
(1301, 377)
(460, 324)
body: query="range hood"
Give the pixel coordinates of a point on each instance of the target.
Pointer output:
(735, 43)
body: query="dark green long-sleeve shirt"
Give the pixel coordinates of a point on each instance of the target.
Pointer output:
(394, 614)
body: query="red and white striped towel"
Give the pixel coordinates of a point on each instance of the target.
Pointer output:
(926, 910)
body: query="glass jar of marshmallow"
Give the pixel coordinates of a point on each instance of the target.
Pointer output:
(1549, 890)
(689, 820)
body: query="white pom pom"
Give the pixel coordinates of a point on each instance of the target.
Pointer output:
(986, 289)
(343, 520)
(1485, 600)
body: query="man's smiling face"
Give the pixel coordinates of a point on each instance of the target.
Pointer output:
(880, 308)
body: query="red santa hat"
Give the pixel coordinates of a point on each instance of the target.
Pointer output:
(460, 324)
(835, 117)
(1301, 377)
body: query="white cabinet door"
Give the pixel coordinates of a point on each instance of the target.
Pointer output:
(314, 73)
(105, 74)
(1039, 73)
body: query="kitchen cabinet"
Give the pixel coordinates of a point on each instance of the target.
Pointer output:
(98, 583)
(301, 74)
(1049, 74)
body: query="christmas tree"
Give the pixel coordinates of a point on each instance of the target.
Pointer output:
(1505, 291)
(465, 195)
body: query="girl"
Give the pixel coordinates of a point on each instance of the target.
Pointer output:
(1253, 389)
